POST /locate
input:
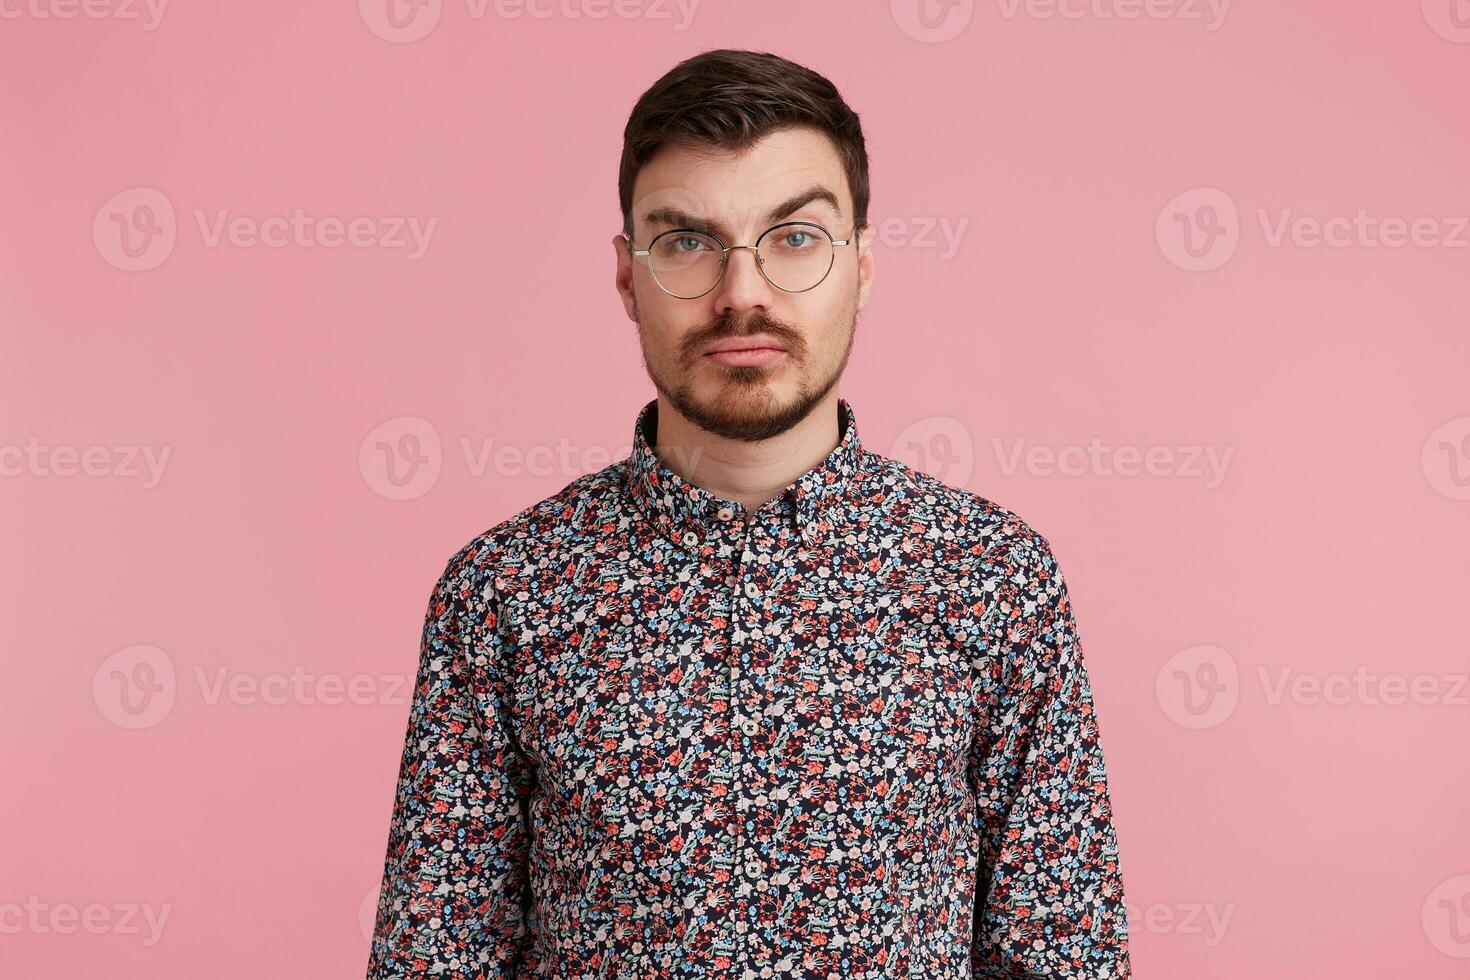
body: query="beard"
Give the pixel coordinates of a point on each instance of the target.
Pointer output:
(744, 408)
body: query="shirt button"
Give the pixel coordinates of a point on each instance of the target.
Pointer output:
(690, 538)
(752, 591)
(725, 513)
(749, 726)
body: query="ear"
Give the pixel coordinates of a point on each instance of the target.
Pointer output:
(623, 275)
(867, 263)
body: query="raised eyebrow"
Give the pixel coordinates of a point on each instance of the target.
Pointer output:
(812, 194)
(675, 218)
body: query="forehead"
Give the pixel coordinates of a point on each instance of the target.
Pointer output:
(737, 190)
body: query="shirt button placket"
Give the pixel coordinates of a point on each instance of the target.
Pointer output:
(743, 724)
(751, 747)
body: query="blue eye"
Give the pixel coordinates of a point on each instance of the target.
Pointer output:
(683, 245)
(797, 240)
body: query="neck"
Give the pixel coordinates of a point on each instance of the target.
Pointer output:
(750, 473)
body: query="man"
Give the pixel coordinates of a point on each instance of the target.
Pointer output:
(754, 701)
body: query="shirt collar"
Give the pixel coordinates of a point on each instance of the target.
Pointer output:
(689, 515)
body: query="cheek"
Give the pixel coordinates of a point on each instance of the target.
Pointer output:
(663, 329)
(826, 329)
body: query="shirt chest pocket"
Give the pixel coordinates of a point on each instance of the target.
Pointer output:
(601, 709)
(634, 713)
(616, 740)
(883, 693)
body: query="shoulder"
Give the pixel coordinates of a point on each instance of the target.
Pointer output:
(541, 538)
(969, 531)
(1005, 585)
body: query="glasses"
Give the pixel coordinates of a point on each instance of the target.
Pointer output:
(794, 257)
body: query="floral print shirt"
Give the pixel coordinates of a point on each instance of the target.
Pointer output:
(847, 734)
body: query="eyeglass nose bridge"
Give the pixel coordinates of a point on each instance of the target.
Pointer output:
(760, 262)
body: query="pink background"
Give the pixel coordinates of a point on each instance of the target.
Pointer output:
(1264, 831)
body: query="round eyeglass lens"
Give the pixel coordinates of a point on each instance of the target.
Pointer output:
(796, 257)
(686, 263)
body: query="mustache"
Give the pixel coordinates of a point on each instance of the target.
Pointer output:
(728, 325)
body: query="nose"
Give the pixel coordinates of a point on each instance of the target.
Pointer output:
(742, 287)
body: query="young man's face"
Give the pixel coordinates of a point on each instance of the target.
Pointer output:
(752, 395)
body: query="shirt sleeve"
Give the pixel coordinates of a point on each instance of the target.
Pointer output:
(454, 899)
(1049, 891)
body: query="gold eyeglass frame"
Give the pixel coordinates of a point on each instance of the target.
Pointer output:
(726, 250)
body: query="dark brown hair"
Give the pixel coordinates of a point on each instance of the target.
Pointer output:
(729, 99)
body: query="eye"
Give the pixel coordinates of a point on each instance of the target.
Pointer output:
(798, 240)
(683, 245)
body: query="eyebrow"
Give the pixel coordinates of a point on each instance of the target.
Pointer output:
(676, 218)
